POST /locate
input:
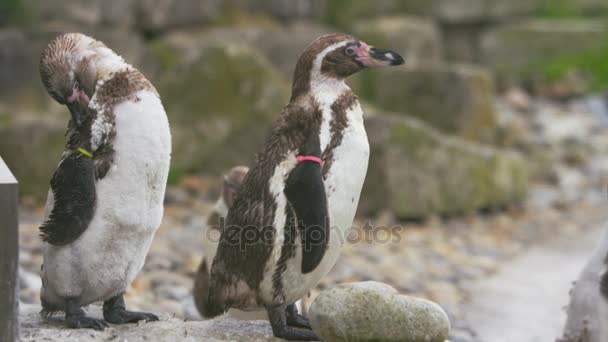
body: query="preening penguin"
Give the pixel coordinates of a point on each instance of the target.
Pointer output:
(106, 196)
(284, 230)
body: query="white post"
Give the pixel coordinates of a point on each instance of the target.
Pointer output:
(9, 256)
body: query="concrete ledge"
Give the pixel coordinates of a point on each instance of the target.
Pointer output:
(34, 328)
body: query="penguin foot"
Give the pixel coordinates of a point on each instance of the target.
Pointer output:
(294, 319)
(278, 320)
(75, 318)
(114, 312)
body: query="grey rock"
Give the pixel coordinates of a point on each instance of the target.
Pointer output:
(416, 171)
(456, 99)
(467, 11)
(418, 39)
(163, 15)
(32, 146)
(224, 96)
(16, 59)
(34, 328)
(287, 9)
(518, 51)
(372, 311)
(85, 14)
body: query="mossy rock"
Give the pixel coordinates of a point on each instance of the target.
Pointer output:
(416, 171)
(469, 11)
(372, 311)
(32, 148)
(417, 39)
(221, 105)
(457, 100)
(547, 49)
(344, 13)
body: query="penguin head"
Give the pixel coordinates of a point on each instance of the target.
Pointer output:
(70, 67)
(232, 183)
(338, 56)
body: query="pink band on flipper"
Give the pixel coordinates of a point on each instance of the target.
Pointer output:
(309, 158)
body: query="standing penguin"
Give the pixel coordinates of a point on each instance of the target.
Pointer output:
(231, 183)
(285, 228)
(106, 196)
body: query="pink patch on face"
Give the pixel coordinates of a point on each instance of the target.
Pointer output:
(78, 95)
(75, 93)
(362, 55)
(361, 51)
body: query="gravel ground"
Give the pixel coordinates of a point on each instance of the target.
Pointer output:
(441, 259)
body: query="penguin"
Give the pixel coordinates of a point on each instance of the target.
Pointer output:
(231, 183)
(284, 230)
(105, 202)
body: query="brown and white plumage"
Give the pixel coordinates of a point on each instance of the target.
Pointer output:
(119, 122)
(296, 213)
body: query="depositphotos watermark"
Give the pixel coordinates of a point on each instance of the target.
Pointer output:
(309, 236)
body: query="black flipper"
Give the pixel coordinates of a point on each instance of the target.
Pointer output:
(73, 187)
(306, 193)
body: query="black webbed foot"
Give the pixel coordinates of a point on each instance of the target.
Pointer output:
(75, 318)
(114, 312)
(294, 319)
(278, 321)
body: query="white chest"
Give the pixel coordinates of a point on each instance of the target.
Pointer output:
(343, 184)
(108, 255)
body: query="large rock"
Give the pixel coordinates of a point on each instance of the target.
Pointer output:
(286, 10)
(344, 13)
(456, 99)
(466, 11)
(280, 44)
(415, 171)
(32, 147)
(523, 51)
(572, 8)
(416, 38)
(82, 13)
(17, 73)
(372, 311)
(33, 329)
(162, 15)
(221, 98)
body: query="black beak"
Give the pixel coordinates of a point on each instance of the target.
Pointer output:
(77, 112)
(386, 57)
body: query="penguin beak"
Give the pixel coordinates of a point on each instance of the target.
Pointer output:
(77, 104)
(370, 56)
(77, 113)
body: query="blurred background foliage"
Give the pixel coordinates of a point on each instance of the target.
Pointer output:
(475, 75)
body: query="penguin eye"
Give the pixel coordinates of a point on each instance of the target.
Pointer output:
(350, 51)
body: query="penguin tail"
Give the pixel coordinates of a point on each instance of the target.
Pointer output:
(200, 292)
(213, 307)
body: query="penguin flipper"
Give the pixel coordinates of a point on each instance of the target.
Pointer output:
(306, 193)
(74, 196)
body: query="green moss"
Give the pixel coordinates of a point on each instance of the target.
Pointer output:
(14, 12)
(221, 106)
(593, 63)
(175, 176)
(342, 13)
(167, 56)
(560, 9)
(553, 9)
